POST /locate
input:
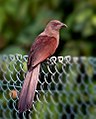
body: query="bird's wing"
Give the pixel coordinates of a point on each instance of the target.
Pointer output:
(42, 48)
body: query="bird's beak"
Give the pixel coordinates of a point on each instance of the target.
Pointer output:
(63, 25)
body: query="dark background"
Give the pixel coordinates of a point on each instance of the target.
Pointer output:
(22, 20)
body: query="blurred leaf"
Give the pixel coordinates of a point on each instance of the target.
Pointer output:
(2, 18)
(55, 3)
(83, 15)
(25, 66)
(23, 11)
(93, 20)
(13, 50)
(2, 42)
(81, 19)
(8, 34)
(11, 7)
(87, 30)
(70, 20)
(65, 34)
(93, 2)
(71, 48)
(89, 69)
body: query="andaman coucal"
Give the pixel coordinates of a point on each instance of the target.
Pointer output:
(44, 46)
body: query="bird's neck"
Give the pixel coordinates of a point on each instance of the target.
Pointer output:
(51, 33)
(54, 34)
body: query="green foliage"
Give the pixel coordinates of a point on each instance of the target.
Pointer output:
(22, 21)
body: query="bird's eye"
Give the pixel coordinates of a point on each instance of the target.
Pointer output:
(55, 24)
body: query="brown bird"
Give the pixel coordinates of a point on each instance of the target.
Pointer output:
(44, 46)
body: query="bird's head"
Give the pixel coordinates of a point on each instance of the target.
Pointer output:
(55, 25)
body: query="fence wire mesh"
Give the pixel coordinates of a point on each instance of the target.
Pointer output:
(66, 88)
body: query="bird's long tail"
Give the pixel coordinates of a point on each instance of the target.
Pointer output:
(28, 90)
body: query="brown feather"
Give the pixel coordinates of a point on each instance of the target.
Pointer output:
(43, 48)
(28, 89)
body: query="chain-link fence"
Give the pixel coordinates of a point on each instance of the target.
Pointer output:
(66, 88)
